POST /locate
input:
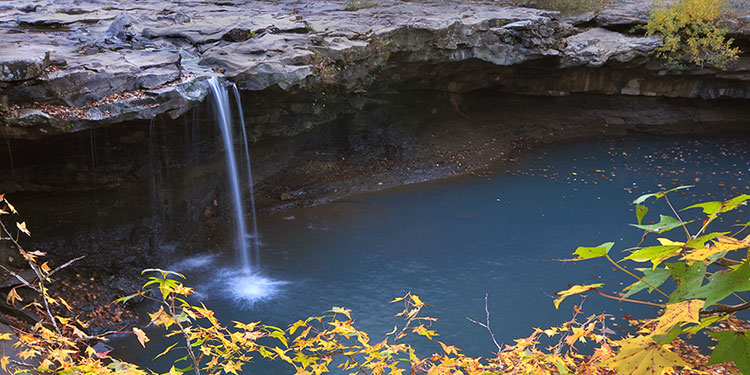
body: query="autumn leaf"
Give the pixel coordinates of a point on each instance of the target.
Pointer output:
(722, 245)
(22, 227)
(575, 289)
(656, 254)
(593, 252)
(687, 311)
(4, 362)
(642, 356)
(341, 310)
(13, 297)
(142, 338)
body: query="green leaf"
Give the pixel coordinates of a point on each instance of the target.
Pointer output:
(709, 208)
(712, 208)
(593, 252)
(687, 278)
(734, 203)
(700, 242)
(655, 254)
(655, 277)
(723, 283)
(666, 223)
(734, 346)
(640, 212)
(660, 194)
(163, 273)
(127, 298)
(669, 336)
(705, 322)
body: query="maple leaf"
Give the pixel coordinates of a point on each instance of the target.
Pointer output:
(341, 310)
(22, 227)
(724, 244)
(142, 338)
(686, 311)
(642, 356)
(575, 289)
(734, 346)
(592, 252)
(722, 284)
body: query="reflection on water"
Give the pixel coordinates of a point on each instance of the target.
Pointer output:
(455, 240)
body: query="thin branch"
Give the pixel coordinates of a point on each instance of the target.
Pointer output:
(726, 309)
(572, 320)
(65, 265)
(628, 299)
(689, 237)
(351, 357)
(21, 279)
(43, 290)
(643, 280)
(487, 324)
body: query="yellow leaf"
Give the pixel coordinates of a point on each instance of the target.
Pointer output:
(12, 209)
(417, 301)
(13, 297)
(341, 310)
(668, 242)
(686, 311)
(283, 355)
(22, 227)
(5, 336)
(142, 338)
(723, 244)
(4, 362)
(45, 267)
(642, 356)
(575, 289)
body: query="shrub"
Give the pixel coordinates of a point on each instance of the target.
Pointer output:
(691, 32)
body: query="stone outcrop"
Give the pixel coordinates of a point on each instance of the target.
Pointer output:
(110, 146)
(68, 65)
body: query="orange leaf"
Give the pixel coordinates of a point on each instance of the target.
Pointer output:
(142, 338)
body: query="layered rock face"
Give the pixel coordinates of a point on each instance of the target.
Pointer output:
(102, 114)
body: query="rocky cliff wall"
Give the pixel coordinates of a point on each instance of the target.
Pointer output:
(109, 146)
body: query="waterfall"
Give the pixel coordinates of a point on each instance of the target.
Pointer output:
(220, 98)
(254, 234)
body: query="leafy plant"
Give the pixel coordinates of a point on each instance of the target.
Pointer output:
(708, 272)
(56, 343)
(691, 32)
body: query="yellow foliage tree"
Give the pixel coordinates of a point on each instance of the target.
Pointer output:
(691, 32)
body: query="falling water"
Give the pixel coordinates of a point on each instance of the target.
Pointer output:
(254, 234)
(223, 118)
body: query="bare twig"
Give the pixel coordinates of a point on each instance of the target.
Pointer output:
(689, 237)
(34, 268)
(20, 278)
(65, 265)
(487, 324)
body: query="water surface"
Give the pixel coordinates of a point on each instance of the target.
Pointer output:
(452, 241)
